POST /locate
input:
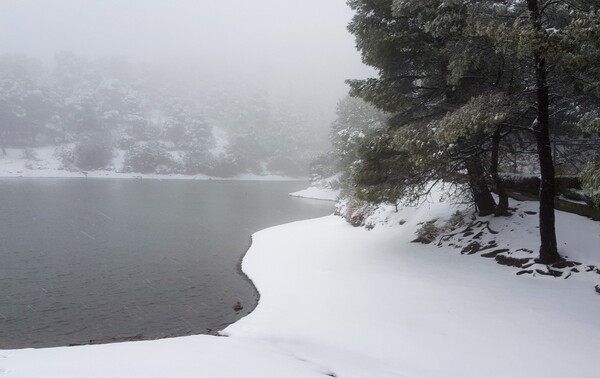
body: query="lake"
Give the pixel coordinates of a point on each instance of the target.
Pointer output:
(97, 260)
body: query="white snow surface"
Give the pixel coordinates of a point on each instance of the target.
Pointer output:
(15, 165)
(312, 192)
(322, 189)
(348, 302)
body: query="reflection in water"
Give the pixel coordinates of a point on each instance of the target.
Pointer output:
(84, 259)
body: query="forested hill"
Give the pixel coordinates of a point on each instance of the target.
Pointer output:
(93, 113)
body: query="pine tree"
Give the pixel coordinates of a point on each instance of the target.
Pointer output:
(556, 44)
(356, 120)
(459, 76)
(424, 75)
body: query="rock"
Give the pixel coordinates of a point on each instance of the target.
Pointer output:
(472, 248)
(422, 240)
(237, 307)
(564, 264)
(511, 261)
(524, 250)
(495, 253)
(550, 272)
(524, 272)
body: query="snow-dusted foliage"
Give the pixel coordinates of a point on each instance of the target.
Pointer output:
(93, 153)
(590, 181)
(78, 97)
(473, 87)
(151, 157)
(198, 161)
(356, 212)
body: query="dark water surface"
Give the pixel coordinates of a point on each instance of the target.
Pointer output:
(85, 259)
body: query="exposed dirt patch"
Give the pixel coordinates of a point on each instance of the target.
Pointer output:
(512, 261)
(565, 264)
(493, 254)
(550, 272)
(477, 237)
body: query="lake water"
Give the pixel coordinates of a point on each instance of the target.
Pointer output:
(92, 260)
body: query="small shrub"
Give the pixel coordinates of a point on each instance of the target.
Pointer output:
(92, 154)
(226, 166)
(355, 211)
(140, 128)
(195, 162)
(125, 142)
(456, 220)
(149, 157)
(65, 155)
(197, 136)
(427, 233)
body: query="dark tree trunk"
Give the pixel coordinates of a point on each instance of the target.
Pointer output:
(541, 128)
(502, 208)
(481, 193)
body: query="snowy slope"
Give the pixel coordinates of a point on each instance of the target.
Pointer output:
(372, 304)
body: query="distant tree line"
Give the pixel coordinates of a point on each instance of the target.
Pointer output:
(95, 110)
(468, 92)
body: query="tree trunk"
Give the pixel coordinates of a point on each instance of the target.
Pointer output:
(481, 193)
(502, 208)
(541, 128)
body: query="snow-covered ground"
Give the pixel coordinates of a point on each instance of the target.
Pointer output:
(348, 302)
(312, 192)
(14, 164)
(322, 189)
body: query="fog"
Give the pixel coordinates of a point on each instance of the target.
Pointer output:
(141, 104)
(250, 86)
(281, 43)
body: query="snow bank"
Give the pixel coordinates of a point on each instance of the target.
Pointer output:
(194, 356)
(370, 303)
(312, 192)
(326, 189)
(347, 302)
(15, 165)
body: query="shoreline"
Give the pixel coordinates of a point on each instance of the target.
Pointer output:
(14, 164)
(216, 311)
(245, 276)
(342, 301)
(49, 174)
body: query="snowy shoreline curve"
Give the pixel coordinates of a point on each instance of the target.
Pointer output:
(347, 302)
(320, 194)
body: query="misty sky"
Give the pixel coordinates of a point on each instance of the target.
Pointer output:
(299, 43)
